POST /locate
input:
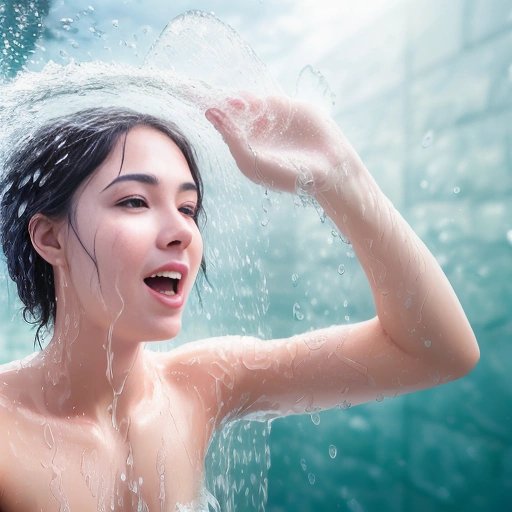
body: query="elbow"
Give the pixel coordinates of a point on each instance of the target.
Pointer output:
(466, 361)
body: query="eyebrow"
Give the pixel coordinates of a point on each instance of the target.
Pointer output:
(149, 179)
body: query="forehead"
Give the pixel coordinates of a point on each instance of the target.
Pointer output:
(144, 149)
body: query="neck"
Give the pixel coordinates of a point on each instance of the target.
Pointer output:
(91, 374)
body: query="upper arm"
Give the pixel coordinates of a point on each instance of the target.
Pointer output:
(339, 365)
(335, 366)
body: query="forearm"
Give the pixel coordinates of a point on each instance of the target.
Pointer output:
(415, 303)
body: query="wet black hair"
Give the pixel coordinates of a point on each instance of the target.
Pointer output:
(42, 174)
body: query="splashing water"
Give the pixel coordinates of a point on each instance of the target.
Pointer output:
(195, 62)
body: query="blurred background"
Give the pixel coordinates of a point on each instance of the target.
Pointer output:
(423, 89)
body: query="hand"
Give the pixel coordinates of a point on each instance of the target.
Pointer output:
(281, 143)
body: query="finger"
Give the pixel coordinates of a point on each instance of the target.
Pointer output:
(229, 131)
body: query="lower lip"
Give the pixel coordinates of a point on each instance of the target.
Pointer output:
(171, 301)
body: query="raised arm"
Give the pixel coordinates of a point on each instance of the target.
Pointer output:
(420, 336)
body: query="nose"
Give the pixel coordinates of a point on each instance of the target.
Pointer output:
(175, 230)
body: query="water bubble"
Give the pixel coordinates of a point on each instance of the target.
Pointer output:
(266, 204)
(379, 397)
(341, 269)
(311, 478)
(297, 313)
(427, 343)
(427, 139)
(264, 222)
(315, 418)
(345, 405)
(115, 23)
(456, 190)
(295, 279)
(303, 465)
(333, 451)
(66, 23)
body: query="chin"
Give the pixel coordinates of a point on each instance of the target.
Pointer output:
(165, 332)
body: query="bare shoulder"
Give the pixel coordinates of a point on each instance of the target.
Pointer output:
(207, 368)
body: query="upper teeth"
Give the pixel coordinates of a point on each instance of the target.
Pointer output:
(168, 273)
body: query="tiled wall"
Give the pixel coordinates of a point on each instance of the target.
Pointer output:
(425, 94)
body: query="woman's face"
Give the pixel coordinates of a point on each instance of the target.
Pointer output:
(134, 217)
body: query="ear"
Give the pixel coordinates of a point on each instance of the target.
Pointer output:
(45, 235)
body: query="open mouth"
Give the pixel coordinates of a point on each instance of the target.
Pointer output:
(166, 283)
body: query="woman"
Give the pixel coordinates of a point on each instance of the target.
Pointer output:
(105, 213)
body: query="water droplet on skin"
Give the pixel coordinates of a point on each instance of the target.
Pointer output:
(123, 477)
(297, 313)
(345, 405)
(315, 342)
(341, 269)
(315, 418)
(48, 436)
(311, 478)
(427, 343)
(333, 451)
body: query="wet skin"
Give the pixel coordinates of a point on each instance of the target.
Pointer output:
(94, 413)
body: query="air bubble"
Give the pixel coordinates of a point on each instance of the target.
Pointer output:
(456, 190)
(115, 23)
(509, 236)
(123, 477)
(424, 184)
(333, 451)
(295, 280)
(303, 465)
(315, 418)
(311, 478)
(297, 313)
(427, 343)
(379, 397)
(341, 269)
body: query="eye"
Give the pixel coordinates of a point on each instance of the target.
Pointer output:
(133, 202)
(189, 209)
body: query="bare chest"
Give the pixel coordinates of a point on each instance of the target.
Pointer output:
(151, 461)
